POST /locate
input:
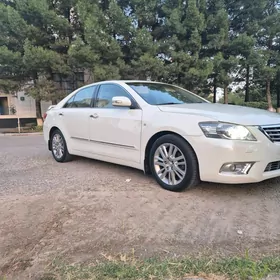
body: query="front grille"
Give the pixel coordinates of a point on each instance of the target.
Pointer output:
(272, 166)
(272, 132)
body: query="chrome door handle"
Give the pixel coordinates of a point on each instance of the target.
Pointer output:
(94, 116)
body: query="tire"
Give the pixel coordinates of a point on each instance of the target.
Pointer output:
(181, 164)
(57, 138)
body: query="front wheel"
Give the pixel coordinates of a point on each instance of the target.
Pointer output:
(59, 147)
(173, 163)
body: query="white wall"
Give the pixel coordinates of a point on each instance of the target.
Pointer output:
(26, 108)
(44, 106)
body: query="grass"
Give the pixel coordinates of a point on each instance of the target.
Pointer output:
(32, 129)
(154, 269)
(37, 129)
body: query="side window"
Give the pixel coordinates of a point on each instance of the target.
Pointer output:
(69, 103)
(82, 99)
(106, 93)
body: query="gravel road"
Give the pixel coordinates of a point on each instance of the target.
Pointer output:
(86, 209)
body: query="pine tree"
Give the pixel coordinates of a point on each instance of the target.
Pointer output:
(243, 47)
(268, 41)
(38, 38)
(105, 27)
(245, 17)
(141, 48)
(185, 24)
(216, 40)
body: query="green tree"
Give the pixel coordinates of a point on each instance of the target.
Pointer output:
(38, 37)
(245, 17)
(105, 26)
(243, 47)
(140, 42)
(255, 30)
(196, 44)
(227, 67)
(268, 40)
(215, 41)
(185, 24)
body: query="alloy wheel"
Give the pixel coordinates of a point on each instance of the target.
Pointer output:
(58, 146)
(170, 164)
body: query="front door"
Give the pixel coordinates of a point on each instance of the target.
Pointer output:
(115, 131)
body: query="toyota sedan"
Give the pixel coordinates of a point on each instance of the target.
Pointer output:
(177, 136)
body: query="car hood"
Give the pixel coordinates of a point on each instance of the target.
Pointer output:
(225, 113)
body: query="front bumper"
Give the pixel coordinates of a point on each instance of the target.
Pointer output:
(213, 153)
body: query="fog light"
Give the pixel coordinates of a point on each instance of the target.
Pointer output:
(237, 168)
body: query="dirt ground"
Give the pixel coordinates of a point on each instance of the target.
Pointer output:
(85, 210)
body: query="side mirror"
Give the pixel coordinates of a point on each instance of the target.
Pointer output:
(121, 101)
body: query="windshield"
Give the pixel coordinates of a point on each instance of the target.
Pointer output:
(164, 94)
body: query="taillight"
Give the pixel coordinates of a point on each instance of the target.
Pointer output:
(44, 116)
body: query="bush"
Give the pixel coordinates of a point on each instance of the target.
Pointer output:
(37, 128)
(259, 105)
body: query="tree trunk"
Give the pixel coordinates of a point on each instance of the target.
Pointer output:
(268, 81)
(105, 5)
(179, 79)
(278, 99)
(278, 92)
(39, 112)
(37, 102)
(247, 94)
(215, 90)
(268, 95)
(225, 95)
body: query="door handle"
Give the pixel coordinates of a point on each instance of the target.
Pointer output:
(94, 116)
(60, 114)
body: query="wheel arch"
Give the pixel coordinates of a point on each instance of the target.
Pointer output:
(152, 141)
(50, 135)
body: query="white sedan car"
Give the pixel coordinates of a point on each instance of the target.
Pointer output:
(165, 130)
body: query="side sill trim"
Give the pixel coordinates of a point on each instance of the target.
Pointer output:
(106, 143)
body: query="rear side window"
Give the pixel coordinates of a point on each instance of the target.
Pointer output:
(82, 99)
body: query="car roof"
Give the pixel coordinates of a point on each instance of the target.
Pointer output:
(124, 81)
(129, 81)
(117, 82)
(121, 82)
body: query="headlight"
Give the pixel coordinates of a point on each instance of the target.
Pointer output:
(226, 131)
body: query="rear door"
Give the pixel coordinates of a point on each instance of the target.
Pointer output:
(75, 117)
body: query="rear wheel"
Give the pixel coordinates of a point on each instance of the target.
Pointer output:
(173, 163)
(59, 147)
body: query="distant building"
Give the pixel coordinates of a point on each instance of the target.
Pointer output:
(22, 106)
(17, 106)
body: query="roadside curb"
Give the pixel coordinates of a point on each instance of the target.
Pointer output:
(21, 134)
